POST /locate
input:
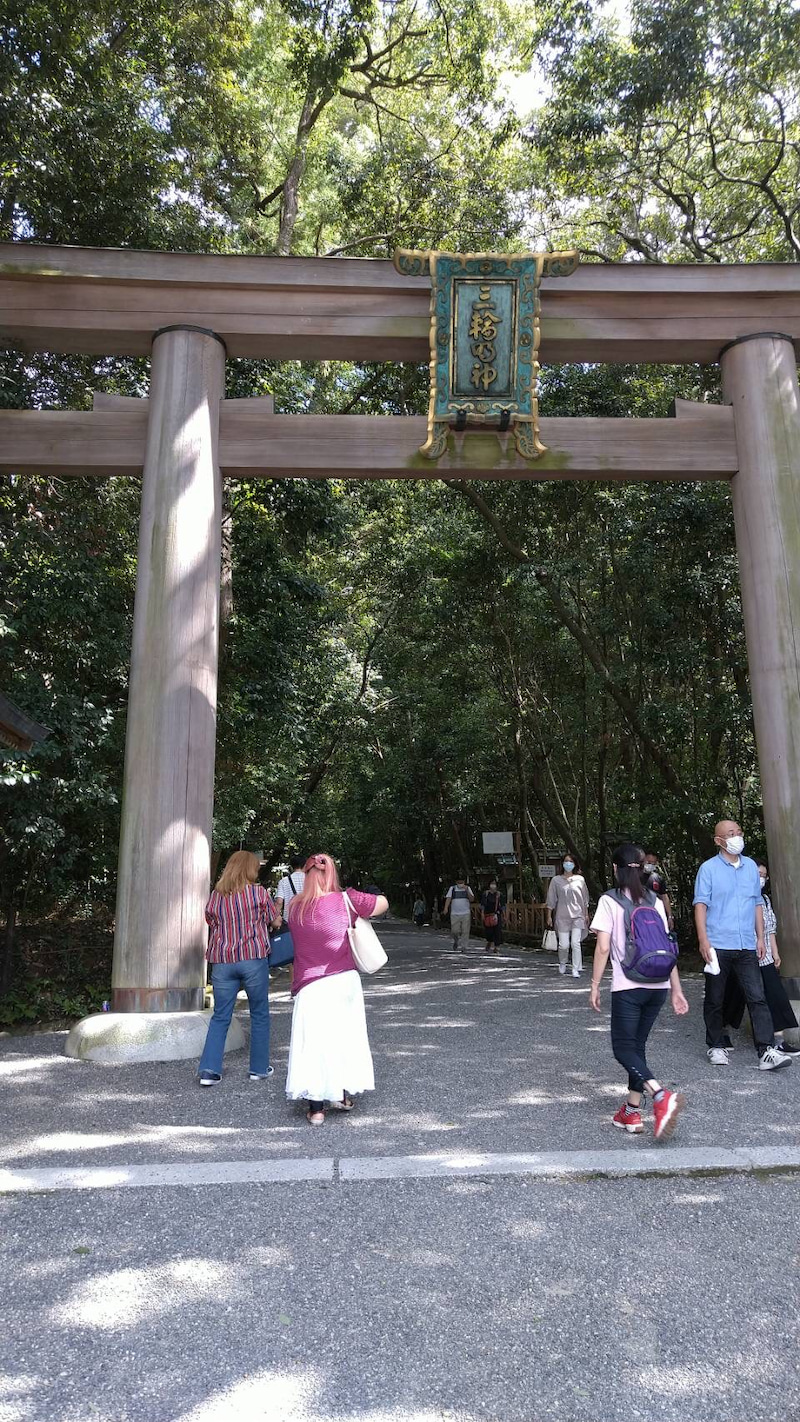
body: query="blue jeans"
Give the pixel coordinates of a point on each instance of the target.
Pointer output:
(633, 1013)
(252, 974)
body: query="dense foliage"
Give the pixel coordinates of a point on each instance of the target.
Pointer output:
(403, 665)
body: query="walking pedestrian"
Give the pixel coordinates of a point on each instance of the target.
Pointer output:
(781, 1010)
(729, 917)
(568, 912)
(458, 903)
(238, 915)
(492, 912)
(419, 911)
(658, 884)
(290, 885)
(329, 1056)
(634, 1005)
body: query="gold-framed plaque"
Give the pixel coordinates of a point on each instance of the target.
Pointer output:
(484, 340)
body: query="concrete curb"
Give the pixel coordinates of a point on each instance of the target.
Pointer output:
(553, 1165)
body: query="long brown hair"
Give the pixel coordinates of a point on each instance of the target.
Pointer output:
(241, 869)
(321, 878)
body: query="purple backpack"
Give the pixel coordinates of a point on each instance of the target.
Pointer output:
(650, 952)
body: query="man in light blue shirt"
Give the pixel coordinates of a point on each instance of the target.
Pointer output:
(729, 918)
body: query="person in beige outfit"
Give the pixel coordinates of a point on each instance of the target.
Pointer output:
(568, 913)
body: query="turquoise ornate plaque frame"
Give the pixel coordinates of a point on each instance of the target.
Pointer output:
(484, 339)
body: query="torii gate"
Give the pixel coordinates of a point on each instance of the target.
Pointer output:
(189, 310)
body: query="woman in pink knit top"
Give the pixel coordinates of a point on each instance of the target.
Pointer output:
(329, 1055)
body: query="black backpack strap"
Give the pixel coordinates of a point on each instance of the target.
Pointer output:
(291, 881)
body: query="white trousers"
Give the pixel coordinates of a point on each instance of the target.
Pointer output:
(570, 937)
(459, 927)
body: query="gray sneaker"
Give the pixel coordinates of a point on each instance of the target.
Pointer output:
(773, 1060)
(718, 1056)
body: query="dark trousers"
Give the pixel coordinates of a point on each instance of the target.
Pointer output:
(633, 1013)
(744, 965)
(780, 1008)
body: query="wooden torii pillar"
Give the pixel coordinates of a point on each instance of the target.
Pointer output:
(759, 374)
(168, 795)
(190, 308)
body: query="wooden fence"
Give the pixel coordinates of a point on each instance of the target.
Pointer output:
(527, 920)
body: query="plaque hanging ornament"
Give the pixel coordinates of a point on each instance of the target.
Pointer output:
(484, 338)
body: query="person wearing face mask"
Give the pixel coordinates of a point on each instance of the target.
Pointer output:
(568, 912)
(781, 1011)
(729, 917)
(658, 884)
(635, 1002)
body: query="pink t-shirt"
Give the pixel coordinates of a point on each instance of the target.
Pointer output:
(609, 917)
(321, 944)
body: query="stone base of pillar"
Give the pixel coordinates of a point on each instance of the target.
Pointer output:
(120, 1038)
(792, 1035)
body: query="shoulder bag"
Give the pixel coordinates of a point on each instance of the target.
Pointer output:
(281, 943)
(365, 944)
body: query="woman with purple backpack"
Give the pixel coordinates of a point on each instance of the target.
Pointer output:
(631, 928)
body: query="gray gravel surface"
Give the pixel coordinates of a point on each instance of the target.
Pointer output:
(492, 1054)
(504, 1300)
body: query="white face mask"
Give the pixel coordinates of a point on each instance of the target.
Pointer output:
(735, 844)
(762, 877)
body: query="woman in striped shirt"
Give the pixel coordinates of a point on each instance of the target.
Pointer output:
(238, 915)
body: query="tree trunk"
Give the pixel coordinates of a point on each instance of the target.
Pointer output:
(522, 788)
(290, 193)
(7, 963)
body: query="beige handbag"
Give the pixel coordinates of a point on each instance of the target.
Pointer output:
(550, 940)
(365, 944)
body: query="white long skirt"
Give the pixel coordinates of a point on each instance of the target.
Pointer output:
(329, 1050)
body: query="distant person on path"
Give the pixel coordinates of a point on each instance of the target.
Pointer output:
(290, 885)
(568, 912)
(634, 1005)
(419, 912)
(729, 917)
(492, 910)
(329, 1056)
(781, 1010)
(658, 884)
(458, 904)
(238, 915)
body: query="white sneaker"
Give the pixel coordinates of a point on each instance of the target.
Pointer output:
(561, 970)
(772, 1060)
(718, 1056)
(576, 972)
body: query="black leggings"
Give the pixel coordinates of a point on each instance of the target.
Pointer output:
(633, 1013)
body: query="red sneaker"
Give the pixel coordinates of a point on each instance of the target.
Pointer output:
(665, 1113)
(630, 1121)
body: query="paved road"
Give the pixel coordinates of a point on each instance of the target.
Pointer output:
(370, 1301)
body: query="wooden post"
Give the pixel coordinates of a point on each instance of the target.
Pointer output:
(169, 753)
(760, 381)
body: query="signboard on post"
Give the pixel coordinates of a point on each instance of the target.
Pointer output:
(498, 843)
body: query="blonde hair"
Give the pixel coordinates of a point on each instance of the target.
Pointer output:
(321, 878)
(241, 869)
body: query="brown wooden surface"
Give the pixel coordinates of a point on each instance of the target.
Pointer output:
(164, 858)
(528, 920)
(760, 379)
(255, 444)
(99, 300)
